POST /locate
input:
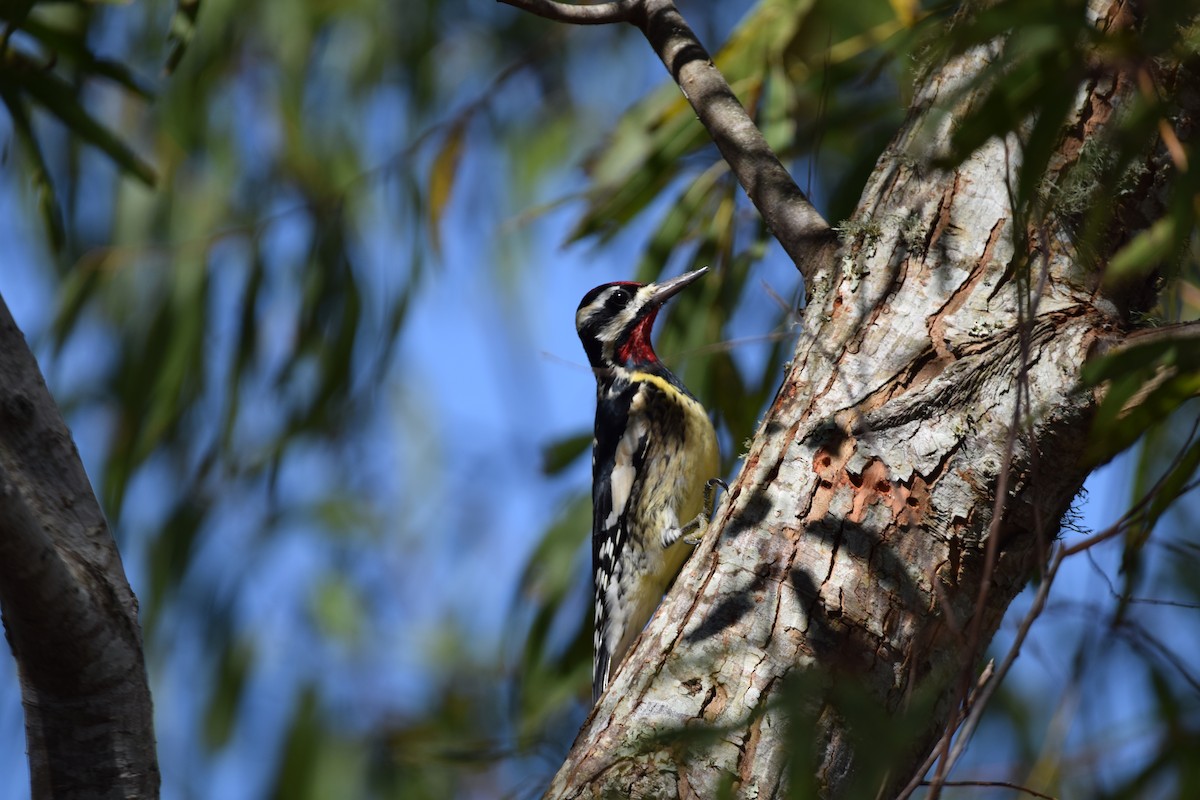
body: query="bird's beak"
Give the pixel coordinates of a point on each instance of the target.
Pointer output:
(662, 292)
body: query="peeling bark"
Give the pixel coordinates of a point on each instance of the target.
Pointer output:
(904, 486)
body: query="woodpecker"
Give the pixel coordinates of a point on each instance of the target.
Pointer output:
(653, 454)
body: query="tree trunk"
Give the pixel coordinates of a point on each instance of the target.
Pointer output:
(904, 486)
(69, 614)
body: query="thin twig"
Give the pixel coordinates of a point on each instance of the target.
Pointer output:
(1131, 599)
(1141, 639)
(963, 725)
(1061, 554)
(985, 693)
(996, 784)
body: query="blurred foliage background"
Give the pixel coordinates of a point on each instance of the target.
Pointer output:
(302, 277)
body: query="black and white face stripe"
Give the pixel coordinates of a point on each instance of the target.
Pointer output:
(605, 317)
(609, 314)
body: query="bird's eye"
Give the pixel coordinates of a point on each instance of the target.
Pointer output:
(620, 295)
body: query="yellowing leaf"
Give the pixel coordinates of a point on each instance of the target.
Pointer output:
(906, 11)
(441, 180)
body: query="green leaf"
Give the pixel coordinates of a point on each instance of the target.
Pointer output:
(338, 609)
(551, 675)
(1128, 360)
(61, 99)
(684, 220)
(1144, 252)
(169, 556)
(233, 669)
(47, 198)
(1120, 422)
(550, 571)
(182, 29)
(560, 454)
(297, 773)
(1173, 484)
(71, 44)
(246, 345)
(1054, 105)
(642, 158)
(178, 376)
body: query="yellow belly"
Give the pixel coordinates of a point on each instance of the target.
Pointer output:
(671, 497)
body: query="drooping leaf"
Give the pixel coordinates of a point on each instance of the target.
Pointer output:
(1173, 484)
(1145, 384)
(70, 44)
(560, 454)
(441, 180)
(47, 198)
(233, 668)
(59, 98)
(182, 29)
(555, 659)
(1129, 360)
(1146, 251)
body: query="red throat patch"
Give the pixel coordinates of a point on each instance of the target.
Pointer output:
(636, 349)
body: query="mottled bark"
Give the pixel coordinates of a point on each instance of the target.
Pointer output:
(903, 488)
(69, 614)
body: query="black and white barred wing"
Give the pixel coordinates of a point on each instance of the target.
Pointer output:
(617, 456)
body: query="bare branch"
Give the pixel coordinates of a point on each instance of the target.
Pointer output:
(997, 784)
(598, 14)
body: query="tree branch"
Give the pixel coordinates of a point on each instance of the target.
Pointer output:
(69, 614)
(997, 784)
(804, 234)
(598, 14)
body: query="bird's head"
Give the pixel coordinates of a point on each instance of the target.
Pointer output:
(614, 320)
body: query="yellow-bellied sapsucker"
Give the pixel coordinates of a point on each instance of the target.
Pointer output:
(652, 457)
